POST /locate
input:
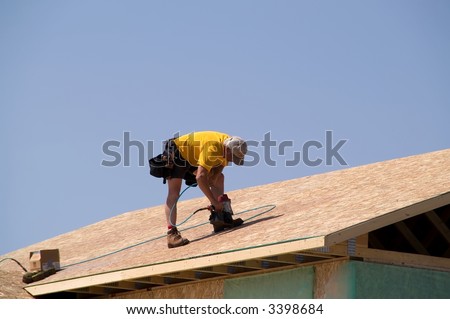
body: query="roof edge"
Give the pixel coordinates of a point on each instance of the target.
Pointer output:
(218, 258)
(387, 219)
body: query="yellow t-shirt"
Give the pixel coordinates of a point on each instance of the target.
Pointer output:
(203, 148)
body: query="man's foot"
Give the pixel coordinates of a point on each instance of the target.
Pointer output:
(174, 238)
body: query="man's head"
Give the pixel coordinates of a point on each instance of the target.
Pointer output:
(236, 148)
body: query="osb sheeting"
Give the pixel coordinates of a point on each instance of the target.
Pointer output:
(323, 273)
(208, 289)
(11, 285)
(140, 294)
(310, 206)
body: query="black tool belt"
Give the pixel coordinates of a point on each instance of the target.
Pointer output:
(171, 164)
(161, 165)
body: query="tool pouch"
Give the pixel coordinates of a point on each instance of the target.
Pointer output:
(161, 165)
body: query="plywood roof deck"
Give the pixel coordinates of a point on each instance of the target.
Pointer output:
(310, 212)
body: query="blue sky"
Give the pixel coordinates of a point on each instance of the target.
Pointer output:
(77, 74)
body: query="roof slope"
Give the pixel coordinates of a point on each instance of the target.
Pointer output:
(310, 212)
(11, 285)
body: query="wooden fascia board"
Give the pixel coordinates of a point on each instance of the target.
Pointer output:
(387, 219)
(404, 259)
(179, 265)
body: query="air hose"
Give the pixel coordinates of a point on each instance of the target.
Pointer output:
(30, 277)
(266, 209)
(175, 205)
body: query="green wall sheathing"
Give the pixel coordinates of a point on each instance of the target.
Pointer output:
(294, 283)
(364, 280)
(391, 282)
(351, 279)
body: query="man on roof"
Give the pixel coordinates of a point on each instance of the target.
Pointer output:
(199, 158)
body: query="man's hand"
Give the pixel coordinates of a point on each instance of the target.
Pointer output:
(218, 207)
